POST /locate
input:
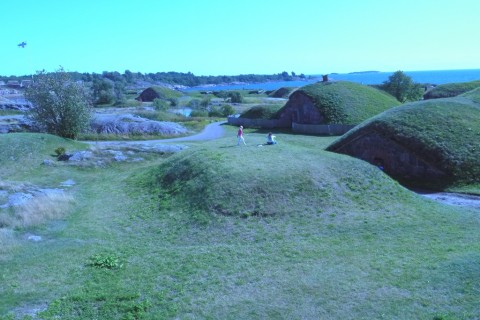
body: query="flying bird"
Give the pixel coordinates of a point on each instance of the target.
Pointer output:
(23, 44)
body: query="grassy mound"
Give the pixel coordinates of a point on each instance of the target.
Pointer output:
(442, 131)
(347, 102)
(267, 111)
(166, 93)
(265, 181)
(23, 153)
(283, 92)
(451, 89)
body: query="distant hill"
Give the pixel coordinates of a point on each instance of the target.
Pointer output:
(451, 89)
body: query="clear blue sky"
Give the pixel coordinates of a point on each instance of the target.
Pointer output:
(231, 37)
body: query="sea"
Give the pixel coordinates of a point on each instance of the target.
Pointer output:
(434, 77)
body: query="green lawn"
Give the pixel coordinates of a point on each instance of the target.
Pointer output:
(134, 247)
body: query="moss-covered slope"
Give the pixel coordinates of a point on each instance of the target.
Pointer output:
(442, 132)
(448, 90)
(346, 102)
(265, 181)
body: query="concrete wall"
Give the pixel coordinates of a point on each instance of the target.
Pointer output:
(320, 129)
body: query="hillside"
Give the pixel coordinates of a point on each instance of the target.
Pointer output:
(242, 182)
(338, 102)
(451, 89)
(224, 232)
(282, 92)
(431, 143)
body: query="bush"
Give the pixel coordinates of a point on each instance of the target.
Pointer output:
(61, 106)
(199, 113)
(227, 110)
(60, 151)
(160, 105)
(215, 112)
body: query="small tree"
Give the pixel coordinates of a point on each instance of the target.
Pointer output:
(402, 87)
(103, 91)
(235, 97)
(227, 110)
(60, 105)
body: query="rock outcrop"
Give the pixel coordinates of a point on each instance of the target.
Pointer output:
(131, 124)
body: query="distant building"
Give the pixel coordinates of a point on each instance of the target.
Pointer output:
(26, 83)
(13, 84)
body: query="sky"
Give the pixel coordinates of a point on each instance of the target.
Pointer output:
(230, 37)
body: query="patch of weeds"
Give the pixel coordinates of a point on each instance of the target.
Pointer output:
(60, 151)
(201, 217)
(105, 261)
(98, 305)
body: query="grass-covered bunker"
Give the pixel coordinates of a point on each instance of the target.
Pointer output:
(158, 92)
(335, 103)
(449, 90)
(430, 143)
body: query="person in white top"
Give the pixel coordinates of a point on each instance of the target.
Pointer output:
(271, 139)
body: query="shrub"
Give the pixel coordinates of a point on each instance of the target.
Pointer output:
(61, 106)
(199, 113)
(60, 151)
(160, 105)
(215, 112)
(227, 110)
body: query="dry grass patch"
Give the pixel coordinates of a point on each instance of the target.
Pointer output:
(32, 206)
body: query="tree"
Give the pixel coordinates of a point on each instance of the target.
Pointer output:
(235, 97)
(103, 91)
(60, 105)
(402, 87)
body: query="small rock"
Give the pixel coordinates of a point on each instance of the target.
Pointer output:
(68, 183)
(48, 163)
(81, 156)
(17, 199)
(34, 238)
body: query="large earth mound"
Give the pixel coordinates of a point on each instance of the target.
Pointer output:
(335, 103)
(449, 90)
(431, 143)
(269, 180)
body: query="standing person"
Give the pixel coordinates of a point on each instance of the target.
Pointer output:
(240, 136)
